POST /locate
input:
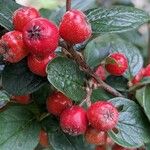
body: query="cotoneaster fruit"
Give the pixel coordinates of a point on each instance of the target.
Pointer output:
(74, 120)
(102, 116)
(117, 147)
(22, 16)
(41, 37)
(25, 99)
(38, 65)
(100, 148)
(43, 138)
(94, 136)
(57, 102)
(12, 47)
(100, 71)
(116, 64)
(74, 27)
(147, 71)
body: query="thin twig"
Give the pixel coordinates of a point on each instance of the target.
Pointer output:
(68, 5)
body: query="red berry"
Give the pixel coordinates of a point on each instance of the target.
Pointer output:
(38, 65)
(100, 148)
(94, 136)
(12, 47)
(147, 71)
(117, 147)
(73, 120)
(24, 15)
(116, 64)
(41, 37)
(103, 115)
(25, 99)
(74, 27)
(100, 71)
(58, 102)
(137, 78)
(43, 138)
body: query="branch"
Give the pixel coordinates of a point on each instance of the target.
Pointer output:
(68, 5)
(81, 62)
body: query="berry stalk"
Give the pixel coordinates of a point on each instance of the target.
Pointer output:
(68, 5)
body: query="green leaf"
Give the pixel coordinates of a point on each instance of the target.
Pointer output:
(133, 127)
(143, 95)
(4, 98)
(147, 146)
(96, 51)
(116, 19)
(119, 83)
(65, 75)
(62, 141)
(7, 7)
(18, 80)
(18, 129)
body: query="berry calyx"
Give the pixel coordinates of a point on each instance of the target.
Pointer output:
(94, 136)
(100, 71)
(22, 16)
(43, 138)
(103, 115)
(116, 64)
(73, 120)
(38, 65)
(24, 99)
(74, 27)
(147, 71)
(58, 102)
(12, 47)
(41, 37)
(137, 78)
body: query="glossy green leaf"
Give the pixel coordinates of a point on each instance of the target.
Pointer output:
(116, 19)
(18, 80)
(4, 98)
(64, 74)
(18, 129)
(133, 127)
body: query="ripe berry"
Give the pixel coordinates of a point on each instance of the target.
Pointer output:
(147, 71)
(58, 102)
(117, 147)
(102, 115)
(25, 99)
(100, 148)
(38, 65)
(116, 64)
(41, 37)
(43, 138)
(94, 136)
(100, 71)
(74, 27)
(73, 120)
(137, 78)
(12, 47)
(24, 15)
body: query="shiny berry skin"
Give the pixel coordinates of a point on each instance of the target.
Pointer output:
(12, 47)
(25, 99)
(137, 78)
(73, 120)
(43, 138)
(94, 136)
(58, 102)
(102, 115)
(100, 71)
(41, 37)
(147, 71)
(22, 16)
(116, 64)
(100, 148)
(74, 27)
(38, 65)
(117, 147)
